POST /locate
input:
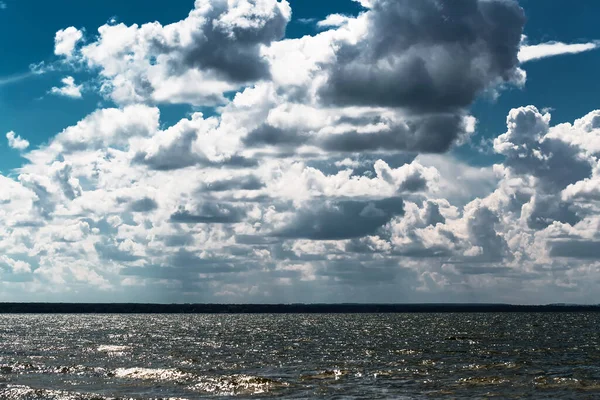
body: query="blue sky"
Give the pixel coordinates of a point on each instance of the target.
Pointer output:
(279, 113)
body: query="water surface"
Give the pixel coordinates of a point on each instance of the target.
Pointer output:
(538, 355)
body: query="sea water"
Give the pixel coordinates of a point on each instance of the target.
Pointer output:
(462, 355)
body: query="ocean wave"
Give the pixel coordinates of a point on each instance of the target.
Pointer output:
(22, 392)
(236, 385)
(109, 348)
(154, 374)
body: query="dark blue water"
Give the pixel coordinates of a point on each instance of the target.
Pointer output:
(546, 355)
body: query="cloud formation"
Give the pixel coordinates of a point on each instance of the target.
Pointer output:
(324, 176)
(65, 41)
(16, 142)
(216, 49)
(69, 88)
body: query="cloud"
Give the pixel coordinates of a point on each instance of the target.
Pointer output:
(333, 20)
(323, 173)
(85, 211)
(208, 213)
(341, 219)
(550, 49)
(427, 56)
(69, 88)
(65, 41)
(216, 49)
(16, 142)
(400, 75)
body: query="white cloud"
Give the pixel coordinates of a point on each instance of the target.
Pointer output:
(16, 142)
(543, 50)
(216, 49)
(65, 41)
(69, 88)
(334, 20)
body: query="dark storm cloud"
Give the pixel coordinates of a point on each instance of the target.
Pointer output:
(432, 214)
(336, 220)
(143, 205)
(482, 233)
(187, 266)
(44, 203)
(433, 133)
(555, 163)
(209, 213)
(176, 154)
(63, 176)
(230, 51)
(583, 249)
(180, 153)
(547, 209)
(431, 58)
(474, 269)
(189, 260)
(269, 135)
(353, 272)
(110, 251)
(179, 240)
(254, 240)
(413, 183)
(428, 55)
(246, 182)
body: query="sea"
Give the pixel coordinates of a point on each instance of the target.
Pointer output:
(304, 356)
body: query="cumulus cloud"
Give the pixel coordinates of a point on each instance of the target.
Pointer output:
(16, 142)
(428, 56)
(325, 177)
(341, 219)
(333, 20)
(69, 88)
(216, 49)
(400, 75)
(66, 40)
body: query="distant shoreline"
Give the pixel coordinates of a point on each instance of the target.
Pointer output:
(139, 308)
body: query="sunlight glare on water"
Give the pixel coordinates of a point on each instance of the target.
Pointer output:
(297, 355)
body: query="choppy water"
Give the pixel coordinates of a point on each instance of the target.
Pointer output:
(300, 356)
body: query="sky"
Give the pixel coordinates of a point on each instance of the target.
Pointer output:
(273, 151)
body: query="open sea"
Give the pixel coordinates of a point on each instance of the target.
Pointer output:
(332, 356)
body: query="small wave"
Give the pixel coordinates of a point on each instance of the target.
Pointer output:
(478, 367)
(28, 368)
(6, 369)
(483, 380)
(567, 383)
(327, 374)
(155, 374)
(21, 392)
(75, 370)
(109, 348)
(407, 352)
(235, 385)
